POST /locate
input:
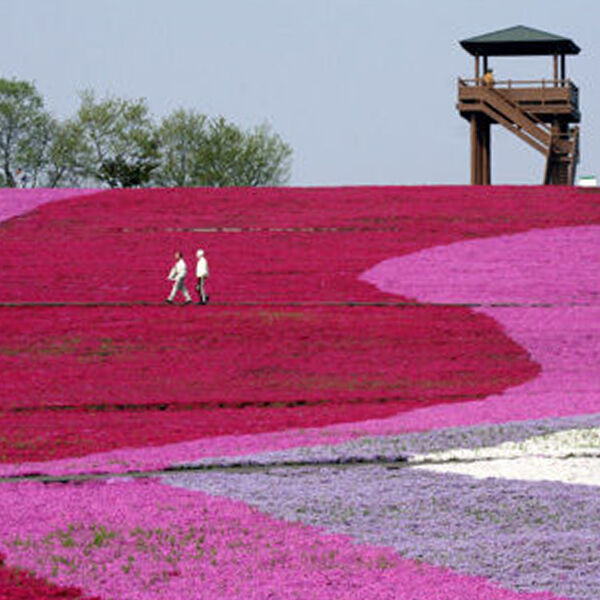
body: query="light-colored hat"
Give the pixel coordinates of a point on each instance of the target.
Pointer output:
(200, 253)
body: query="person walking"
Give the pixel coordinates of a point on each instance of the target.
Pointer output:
(202, 276)
(177, 276)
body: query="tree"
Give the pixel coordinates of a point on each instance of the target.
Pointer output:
(34, 148)
(24, 129)
(183, 138)
(120, 145)
(66, 156)
(114, 142)
(48, 151)
(266, 159)
(200, 151)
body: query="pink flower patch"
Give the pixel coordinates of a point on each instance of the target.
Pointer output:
(145, 540)
(547, 281)
(17, 202)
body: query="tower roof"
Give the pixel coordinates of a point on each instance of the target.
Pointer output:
(519, 41)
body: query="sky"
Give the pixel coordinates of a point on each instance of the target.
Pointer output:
(364, 91)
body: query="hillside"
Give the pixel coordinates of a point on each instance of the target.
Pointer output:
(292, 337)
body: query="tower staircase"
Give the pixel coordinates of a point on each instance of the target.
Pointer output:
(557, 142)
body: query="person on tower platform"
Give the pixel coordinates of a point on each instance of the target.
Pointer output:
(488, 78)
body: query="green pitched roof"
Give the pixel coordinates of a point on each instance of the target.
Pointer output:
(519, 41)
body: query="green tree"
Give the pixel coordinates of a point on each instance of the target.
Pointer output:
(25, 129)
(120, 145)
(66, 156)
(266, 158)
(114, 142)
(183, 138)
(35, 142)
(197, 150)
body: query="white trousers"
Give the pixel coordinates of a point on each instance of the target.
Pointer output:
(179, 286)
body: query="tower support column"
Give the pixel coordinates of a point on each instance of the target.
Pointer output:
(481, 171)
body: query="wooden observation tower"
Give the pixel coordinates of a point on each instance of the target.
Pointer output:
(541, 112)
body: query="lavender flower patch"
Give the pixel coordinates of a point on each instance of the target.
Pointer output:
(525, 536)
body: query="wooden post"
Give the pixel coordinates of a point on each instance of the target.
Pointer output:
(481, 170)
(486, 154)
(555, 70)
(477, 70)
(563, 69)
(474, 151)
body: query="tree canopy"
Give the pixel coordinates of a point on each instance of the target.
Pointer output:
(202, 151)
(115, 142)
(24, 129)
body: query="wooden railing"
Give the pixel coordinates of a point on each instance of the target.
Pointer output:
(521, 83)
(546, 93)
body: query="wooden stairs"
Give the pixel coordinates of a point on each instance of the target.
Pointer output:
(558, 144)
(556, 138)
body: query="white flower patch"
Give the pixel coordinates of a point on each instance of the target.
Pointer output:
(571, 456)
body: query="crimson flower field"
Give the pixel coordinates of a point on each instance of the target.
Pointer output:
(348, 329)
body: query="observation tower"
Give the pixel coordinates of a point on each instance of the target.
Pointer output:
(543, 112)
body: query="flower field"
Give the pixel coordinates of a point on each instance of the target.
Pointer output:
(393, 393)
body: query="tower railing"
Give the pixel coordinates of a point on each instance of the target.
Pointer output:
(520, 83)
(543, 96)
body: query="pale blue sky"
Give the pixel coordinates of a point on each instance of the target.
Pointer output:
(363, 90)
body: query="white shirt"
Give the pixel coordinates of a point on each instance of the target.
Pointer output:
(179, 271)
(202, 267)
